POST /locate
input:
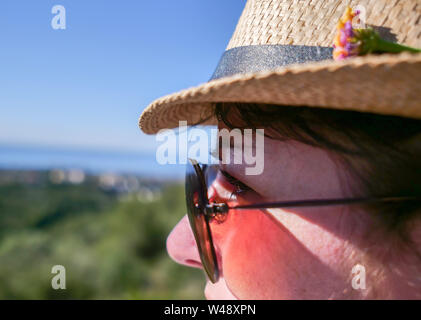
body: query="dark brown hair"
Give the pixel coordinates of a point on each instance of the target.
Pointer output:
(382, 152)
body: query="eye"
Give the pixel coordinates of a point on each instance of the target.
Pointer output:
(239, 187)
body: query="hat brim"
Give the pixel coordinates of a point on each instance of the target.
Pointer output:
(382, 84)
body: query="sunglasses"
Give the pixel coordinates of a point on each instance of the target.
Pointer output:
(201, 211)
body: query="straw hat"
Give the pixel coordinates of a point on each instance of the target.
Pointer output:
(275, 56)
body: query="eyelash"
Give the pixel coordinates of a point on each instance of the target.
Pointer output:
(240, 187)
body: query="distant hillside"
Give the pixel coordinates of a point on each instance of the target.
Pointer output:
(110, 239)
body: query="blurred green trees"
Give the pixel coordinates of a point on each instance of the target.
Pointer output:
(112, 245)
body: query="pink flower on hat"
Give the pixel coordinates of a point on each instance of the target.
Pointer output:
(345, 42)
(351, 42)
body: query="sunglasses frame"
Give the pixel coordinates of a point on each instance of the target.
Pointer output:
(200, 208)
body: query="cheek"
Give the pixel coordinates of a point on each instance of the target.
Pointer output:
(254, 249)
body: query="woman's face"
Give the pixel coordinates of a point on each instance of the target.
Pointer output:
(306, 253)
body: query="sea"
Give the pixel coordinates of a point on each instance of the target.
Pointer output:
(21, 157)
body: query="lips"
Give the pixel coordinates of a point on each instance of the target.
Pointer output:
(219, 291)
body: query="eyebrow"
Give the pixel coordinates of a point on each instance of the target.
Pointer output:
(234, 181)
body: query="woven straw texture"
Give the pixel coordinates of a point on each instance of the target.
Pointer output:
(313, 22)
(386, 84)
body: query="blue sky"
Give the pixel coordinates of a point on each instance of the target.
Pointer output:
(86, 86)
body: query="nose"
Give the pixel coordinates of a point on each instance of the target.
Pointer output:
(181, 245)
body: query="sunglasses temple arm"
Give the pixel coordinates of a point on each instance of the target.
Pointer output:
(325, 202)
